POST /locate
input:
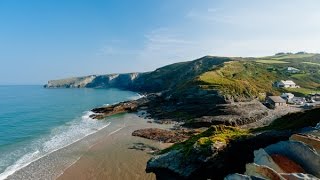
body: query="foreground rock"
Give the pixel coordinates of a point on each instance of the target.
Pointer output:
(144, 147)
(198, 158)
(162, 135)
(291, 159)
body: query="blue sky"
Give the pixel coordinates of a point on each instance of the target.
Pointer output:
(51, 39)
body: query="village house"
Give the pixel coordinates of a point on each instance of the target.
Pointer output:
(287, 96)
(292, 70)
(286, 84)
(315, 96)
(276, 101)
(297, 100)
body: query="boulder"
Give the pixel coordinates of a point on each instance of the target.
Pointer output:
(162, 135)
(263, 158)
(237, 176)
(263, 172)
(299, 152)
(286, 164)
(298, 176)
(311, 140)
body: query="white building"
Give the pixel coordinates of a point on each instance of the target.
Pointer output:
(287, 96)
(286, 84)
(292, 70)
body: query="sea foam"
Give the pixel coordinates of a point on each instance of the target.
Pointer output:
(59, 138)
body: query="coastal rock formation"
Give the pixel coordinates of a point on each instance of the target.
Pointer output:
(162, 135)
(162, 79)
(291, 159)
(102, 112)
(197, 158)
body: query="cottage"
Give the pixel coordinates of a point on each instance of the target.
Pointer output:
(297, 100)
(315, 96)
(287, 96)
(276, 101)
(292, 70)
(286, 84)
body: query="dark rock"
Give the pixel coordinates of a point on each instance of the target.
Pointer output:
(217, 164)
(162, 135)
(144, 147)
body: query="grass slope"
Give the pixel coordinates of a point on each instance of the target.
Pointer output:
(239, 79)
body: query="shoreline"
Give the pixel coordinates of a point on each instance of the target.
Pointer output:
(112, 157)
(54, 164)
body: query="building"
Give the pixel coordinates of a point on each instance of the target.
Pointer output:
(315, 96)
(276, 101)
(292, 70)
(287, 96)
(286, 84)
(297, 100)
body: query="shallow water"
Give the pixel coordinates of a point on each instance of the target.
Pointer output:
(35, 122)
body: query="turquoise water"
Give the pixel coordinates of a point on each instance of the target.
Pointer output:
(35, 121)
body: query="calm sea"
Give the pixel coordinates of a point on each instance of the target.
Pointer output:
(35, 121)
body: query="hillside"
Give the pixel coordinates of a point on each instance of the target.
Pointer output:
(234, 78)
(164, 78)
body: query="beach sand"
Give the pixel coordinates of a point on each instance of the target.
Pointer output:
(111, 158)
(102, 155)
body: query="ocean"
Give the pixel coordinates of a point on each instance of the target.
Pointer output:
(35, 121)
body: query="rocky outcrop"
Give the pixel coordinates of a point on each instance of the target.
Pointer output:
(195, 161)
(294, 159)
(123, 107)
(166, 136)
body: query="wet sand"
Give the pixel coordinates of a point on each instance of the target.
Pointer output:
(102, 155)
(111, 158)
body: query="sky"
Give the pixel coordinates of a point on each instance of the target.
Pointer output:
(42, 40)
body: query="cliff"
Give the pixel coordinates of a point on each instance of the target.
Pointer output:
(165, 78)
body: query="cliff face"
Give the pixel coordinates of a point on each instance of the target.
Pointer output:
(165, 78)
(123, 81)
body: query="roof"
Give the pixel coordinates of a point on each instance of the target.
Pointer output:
(288, 94)
(292, 69)
(277, 99)
(287, 82)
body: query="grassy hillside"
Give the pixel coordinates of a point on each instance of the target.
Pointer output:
(250, 77)
(239, 79)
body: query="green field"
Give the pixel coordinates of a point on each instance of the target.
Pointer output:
(300, 91)
(312, 63)
(271, 61)
(292, 56)
(239, 79)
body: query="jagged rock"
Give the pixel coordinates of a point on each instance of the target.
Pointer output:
(286, 164)
(162, 135)
(298, 176)
(311, 140)
(298, 152)
(261, 157)
(262, 172)
(177, 162)
(144, 147)
(237, 176)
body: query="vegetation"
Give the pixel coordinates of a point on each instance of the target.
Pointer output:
(239, 79)
(293, 121)
(248, 77)
(271, 61)
(300, 91)
(219, 133)
(312, 63)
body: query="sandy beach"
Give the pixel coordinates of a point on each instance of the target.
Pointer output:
(106, 154)
(111, 157)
